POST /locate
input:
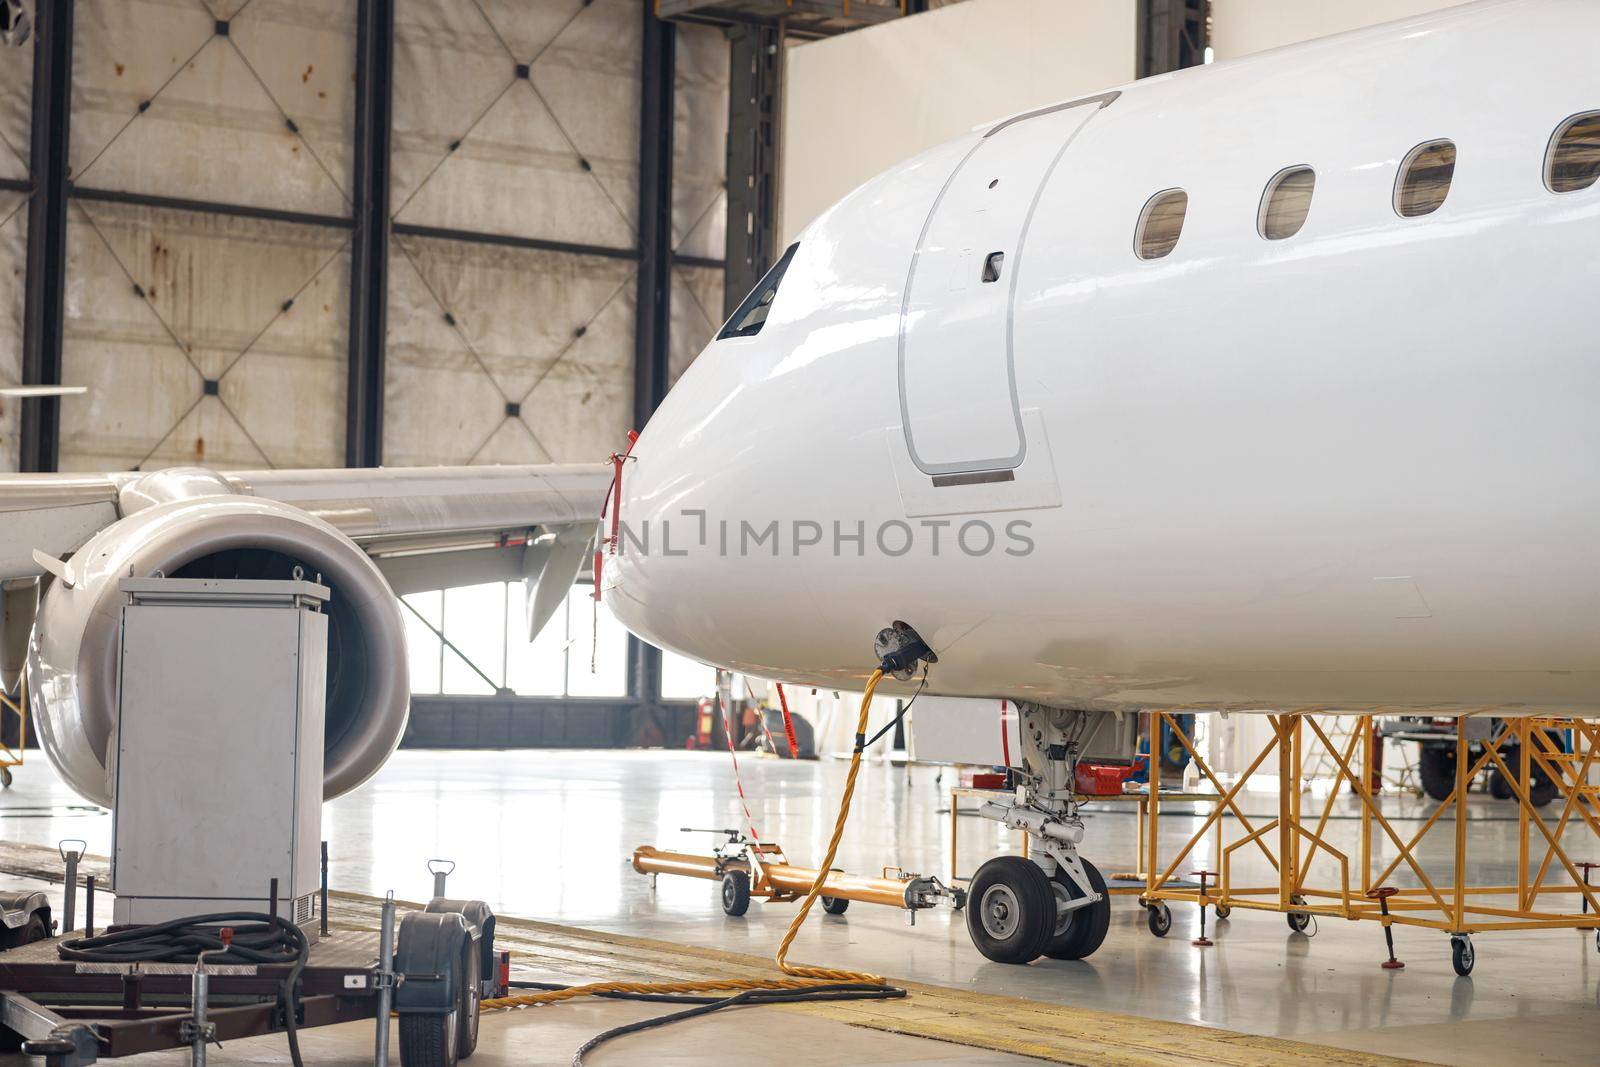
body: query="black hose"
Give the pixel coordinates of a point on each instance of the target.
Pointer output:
(876, 993)
(258, 938)
(707, 1005)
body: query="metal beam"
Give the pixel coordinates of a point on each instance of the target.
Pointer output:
(44, 299)
(1173, 35)
(755, 58)
(654, 315)
(369, 255)
(207, 207)
(507, 240)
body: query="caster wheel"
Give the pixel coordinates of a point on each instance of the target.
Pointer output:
(5, 777)
(1223, 911)
(1461, 955)
(1011, 911)
(1077, 933)
(835, 905)
(1298, 921)
(1159, 918)
(735, 893)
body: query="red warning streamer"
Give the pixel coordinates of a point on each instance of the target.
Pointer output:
(738, 780)
(788, 723)
(613, 504)
(1005, 740)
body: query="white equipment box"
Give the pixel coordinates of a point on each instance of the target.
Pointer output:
(218, 748)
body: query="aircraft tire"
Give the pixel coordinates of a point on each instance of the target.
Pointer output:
(1011, 910)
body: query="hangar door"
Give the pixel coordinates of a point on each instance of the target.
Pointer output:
(958, 391)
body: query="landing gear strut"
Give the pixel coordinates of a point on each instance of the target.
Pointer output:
(1055, 902)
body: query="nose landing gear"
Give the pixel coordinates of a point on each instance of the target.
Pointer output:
(1054, 903)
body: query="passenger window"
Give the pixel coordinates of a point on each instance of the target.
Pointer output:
(750, 316)
(1286, 203)
(1160, 224)
(1573, 162)
(1425, 178)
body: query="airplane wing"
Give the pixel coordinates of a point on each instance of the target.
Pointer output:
(426, 527)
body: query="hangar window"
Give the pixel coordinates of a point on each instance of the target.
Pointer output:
(1160, 224)
(1286, 203)
(752, 314)
(1425, 178)
(1573, 162)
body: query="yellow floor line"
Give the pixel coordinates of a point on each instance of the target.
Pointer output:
(1052, 1032)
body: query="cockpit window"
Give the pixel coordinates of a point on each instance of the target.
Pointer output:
(752, 314)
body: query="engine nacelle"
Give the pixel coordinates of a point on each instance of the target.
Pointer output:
(72, 661)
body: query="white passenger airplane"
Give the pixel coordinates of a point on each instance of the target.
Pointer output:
(1264, 386)
(1268, 385)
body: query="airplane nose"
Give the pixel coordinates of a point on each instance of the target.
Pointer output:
(648, 574)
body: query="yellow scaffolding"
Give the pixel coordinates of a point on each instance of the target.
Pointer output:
(1291, 841)
(12, 757)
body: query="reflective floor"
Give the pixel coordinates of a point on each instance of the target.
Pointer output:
(547, 834)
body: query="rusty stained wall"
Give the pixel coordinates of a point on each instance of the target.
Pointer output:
(474, 328)
(159, 302)
(16, 79)
(212, 307)
(699, 194)
(497, 354)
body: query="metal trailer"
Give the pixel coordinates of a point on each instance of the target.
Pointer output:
(432, 968)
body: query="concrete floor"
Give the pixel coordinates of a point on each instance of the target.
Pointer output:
(547, 834)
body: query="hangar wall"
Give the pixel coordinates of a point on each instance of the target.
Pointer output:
(209, 231)
(858, 104)
(212, 220)
(16, 77)
(1239, 27)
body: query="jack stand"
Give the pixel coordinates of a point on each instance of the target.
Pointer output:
(1203, 941)
(1586, 866)
(69, 900)
(322, 919)
(197, 1031)
(384, 979)
(440, 869)
(1382, 895)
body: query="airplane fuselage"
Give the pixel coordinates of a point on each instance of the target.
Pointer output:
(1354, 468)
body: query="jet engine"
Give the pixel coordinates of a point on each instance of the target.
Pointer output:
(194, 524)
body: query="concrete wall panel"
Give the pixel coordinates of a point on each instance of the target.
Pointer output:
(858, 104)
(700, 143)
(549, 332)
(553, 155)
(696, 315)
(218, 122)
(1239, 27)
(13, 270)
(158, 302)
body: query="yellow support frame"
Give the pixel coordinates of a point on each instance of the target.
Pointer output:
(1291, 844)
(13, 757)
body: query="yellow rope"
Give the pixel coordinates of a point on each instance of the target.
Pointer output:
(800, 977)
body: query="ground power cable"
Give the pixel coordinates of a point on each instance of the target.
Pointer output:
(800, 982)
